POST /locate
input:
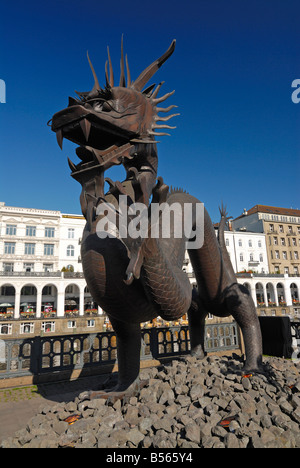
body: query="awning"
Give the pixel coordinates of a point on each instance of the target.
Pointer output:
(70, 302)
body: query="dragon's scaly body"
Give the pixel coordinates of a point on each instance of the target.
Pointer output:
(135, 280)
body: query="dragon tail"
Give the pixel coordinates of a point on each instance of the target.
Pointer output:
(222, 243)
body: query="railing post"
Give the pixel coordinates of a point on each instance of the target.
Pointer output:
(154, 342)
(36, 355)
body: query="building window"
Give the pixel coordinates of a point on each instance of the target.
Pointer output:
(259, 243)
(71, 233)
(31, 231)
(8, 267)
(28, 267)
(29, 249)
(271, 227)
(6, 329)
(286, 270)
(275, 240)
(11, 229)
(241, 257)
(294, 242)
(28, 291)
(290, 229)
(7, 291)
(261, 258)
(71, 323)
(9, 247)
(277, 254)
(48, 249)
(47, 267)
(296, 256)
(91, 323)
(284, 255)
(240, 243)
(280, 228)
(47, 290)
(70, 251)
(282, 240)
(251, 257)
(298, 229)
(48, 327)
(227, 242)
(273, 313)
(250, 243)
(295, 270)
(27, 327)
(49, 232)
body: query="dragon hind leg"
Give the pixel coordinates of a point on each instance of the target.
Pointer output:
(128, 349)
(196, 317)
(240, 305)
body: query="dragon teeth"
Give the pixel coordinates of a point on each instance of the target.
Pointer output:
(72, 165)
(59, 137)
(86, 128)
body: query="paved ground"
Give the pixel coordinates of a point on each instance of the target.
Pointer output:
(19, 405)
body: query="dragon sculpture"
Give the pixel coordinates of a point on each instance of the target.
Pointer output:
(137, 279)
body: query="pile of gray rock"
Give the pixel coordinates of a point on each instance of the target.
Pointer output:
(188, 403)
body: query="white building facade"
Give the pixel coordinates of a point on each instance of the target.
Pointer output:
(40, 265)
(247, 251)
(70, 235)
(33, 240)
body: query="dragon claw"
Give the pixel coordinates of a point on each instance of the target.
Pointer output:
(119, 392)
(135, 172)
(160, 191)
(115, 188)
(136, 255)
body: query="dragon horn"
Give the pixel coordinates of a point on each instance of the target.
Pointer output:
(96, 84)
(145, 76)
(128, 72)
(122, 76)
(111, 73)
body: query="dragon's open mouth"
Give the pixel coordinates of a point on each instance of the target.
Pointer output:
(107, 123)
(100, 142)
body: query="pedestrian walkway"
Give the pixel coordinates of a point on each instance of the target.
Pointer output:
(19, 405)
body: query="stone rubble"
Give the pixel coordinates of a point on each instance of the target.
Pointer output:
(181, 407)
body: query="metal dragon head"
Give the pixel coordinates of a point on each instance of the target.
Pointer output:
(107, 123)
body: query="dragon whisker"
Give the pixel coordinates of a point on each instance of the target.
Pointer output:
(165, 119)
(163, 98)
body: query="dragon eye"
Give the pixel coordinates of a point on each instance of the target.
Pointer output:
(103, 106)
(106, 107)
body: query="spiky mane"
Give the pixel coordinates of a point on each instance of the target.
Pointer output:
(150, 92)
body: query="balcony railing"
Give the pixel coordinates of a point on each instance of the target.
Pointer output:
(31, 273)
(43, 274)
(49, 354)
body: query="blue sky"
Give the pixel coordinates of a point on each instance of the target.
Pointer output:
(237, 138)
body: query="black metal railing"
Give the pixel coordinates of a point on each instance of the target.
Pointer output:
(47, 354)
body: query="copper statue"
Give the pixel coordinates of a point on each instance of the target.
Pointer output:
(135, 279)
